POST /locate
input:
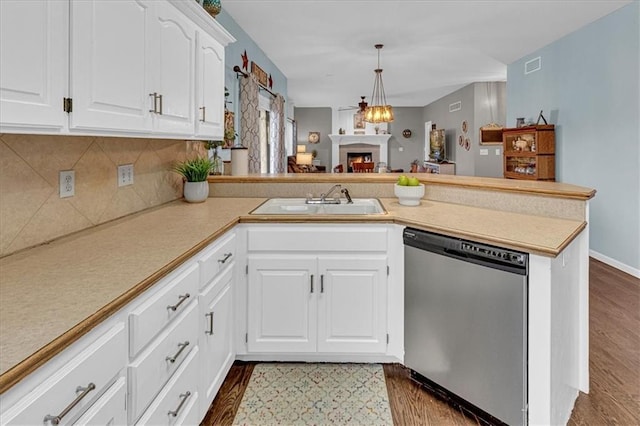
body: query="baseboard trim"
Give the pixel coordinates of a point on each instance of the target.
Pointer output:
(615, 263)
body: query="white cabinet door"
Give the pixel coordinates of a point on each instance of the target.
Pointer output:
(110, 65)
(216, 333)
(174, 71)
(34, 50)
(210, 88)
(282, 308)
(352, 304)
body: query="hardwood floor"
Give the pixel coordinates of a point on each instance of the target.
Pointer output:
(614, 397)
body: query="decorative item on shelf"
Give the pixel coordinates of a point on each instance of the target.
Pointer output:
(341, 131)
(377, 129)
(414, 166)
(409, 190)
(520, 122)
(541, 117)
(214, 158)
(406, 133)
(379, 111)
(358, 121)
(314, 137)
(213, 7)
(195, 172)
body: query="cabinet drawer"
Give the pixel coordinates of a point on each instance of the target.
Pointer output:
(217, 257)
(162, 307)
(153, 368)
(99, 363)
(168, 408)
(317, 239)
(109, 409)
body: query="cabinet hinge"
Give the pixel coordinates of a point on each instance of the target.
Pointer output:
(67, 104)
(387, 338)
(246, 337)
(387, 270)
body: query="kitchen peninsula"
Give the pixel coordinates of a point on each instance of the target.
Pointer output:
(54, 295)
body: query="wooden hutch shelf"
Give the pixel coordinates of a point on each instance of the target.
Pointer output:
(529, 152)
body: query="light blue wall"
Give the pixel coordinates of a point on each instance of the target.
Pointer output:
(589, 88)
(233, 54)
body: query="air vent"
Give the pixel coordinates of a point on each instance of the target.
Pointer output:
(533, 65)
(456, 106)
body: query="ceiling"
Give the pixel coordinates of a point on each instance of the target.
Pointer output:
(325, 48)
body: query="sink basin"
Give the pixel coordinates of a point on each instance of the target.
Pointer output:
(292, 206)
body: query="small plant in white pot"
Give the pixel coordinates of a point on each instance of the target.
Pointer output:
(195, 172)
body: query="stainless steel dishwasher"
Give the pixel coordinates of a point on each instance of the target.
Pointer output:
(466, 323)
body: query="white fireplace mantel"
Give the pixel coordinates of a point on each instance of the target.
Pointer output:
(337, 141)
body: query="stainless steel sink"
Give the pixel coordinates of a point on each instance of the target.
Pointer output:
(299, 206)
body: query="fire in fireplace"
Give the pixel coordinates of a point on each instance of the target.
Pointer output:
(358, 157)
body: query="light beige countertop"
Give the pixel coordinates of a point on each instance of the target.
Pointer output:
(52, 294)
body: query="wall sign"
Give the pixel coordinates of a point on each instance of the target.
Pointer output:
(260, 74)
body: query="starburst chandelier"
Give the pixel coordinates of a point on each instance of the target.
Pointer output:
(379, 111)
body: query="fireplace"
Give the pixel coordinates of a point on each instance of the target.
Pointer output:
(358, 157)
(344, 146)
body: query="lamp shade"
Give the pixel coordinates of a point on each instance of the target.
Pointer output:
(301, 148)
(304, 158)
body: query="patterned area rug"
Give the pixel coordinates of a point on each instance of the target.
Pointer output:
(315, 394)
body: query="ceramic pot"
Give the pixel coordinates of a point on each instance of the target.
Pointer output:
(196, 192)
(409, 195)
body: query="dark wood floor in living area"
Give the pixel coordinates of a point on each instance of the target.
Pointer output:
(614, 398)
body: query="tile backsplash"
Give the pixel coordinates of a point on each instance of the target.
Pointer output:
(31, 210)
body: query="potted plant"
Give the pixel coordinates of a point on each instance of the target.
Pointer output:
(195, 172)
(212, 148)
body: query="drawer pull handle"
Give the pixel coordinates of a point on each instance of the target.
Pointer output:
(311, 283)
(204, 111)
(321, 283)
(155, 102)
(210, 315)
(160, 98)
(225, 258)
(183, 399)
(182, 299)
(55, 420)
(172, 359)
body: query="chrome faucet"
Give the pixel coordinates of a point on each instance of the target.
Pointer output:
(323, 197)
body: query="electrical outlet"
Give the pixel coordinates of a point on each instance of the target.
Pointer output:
(125, 175)
(497, 151)
(484, 151)
(67, 183)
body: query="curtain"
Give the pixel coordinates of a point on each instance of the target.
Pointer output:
(277, 157)
(250, 120)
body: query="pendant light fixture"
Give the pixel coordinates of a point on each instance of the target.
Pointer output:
(379, 111)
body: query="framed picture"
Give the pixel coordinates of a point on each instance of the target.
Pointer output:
(358, 121)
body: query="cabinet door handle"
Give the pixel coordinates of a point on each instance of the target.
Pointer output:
(210, 315)
(182, 299)
(183, 399)
(55, 420)
(321, 283)
(154, 95)
(311, 283)
(204, 112)
(225, 258)
(173, 359)
(160, 111)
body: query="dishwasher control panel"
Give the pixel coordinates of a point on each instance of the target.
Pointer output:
(493, 252)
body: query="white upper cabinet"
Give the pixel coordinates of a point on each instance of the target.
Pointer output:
(173, 71)
(209, 87)
(128, 66)
(111, 65)
(33, 65)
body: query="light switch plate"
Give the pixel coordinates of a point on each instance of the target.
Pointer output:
(497, 151)
(67, 183)
(484, 151)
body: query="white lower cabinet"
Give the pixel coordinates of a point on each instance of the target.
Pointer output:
(75, 385)
(322, 299)
(216, 336)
